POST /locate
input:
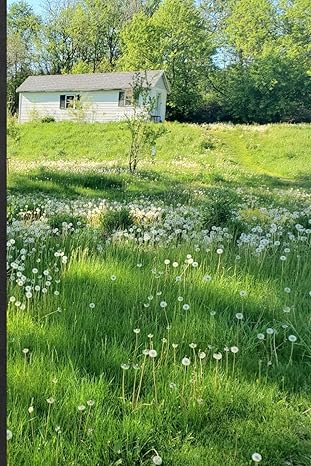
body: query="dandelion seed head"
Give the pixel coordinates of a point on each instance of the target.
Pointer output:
(157, 460)
(185, 361)
(9, 434)
(239, 315)
(186, 307)
(153, 353)
(50, 400)
(217, 356)
(256, 457)
(292, 338)
(202, 355)
(260, 336)
(234, 349)
(125, 367)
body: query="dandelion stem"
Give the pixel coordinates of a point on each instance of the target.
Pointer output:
(141, 379)
(134, 388)
(123, 386)
(154, 381)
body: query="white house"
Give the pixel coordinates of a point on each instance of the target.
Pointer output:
(104, 96)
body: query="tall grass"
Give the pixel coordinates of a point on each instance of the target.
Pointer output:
(190, 349)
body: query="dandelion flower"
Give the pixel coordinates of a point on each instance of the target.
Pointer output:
(125, 366)
(292, 338)
(234, 349)
(157, 460)
(256, 457)
(185, 361)
(50, 400)
(153, 353)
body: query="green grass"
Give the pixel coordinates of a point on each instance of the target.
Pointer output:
(210, 413)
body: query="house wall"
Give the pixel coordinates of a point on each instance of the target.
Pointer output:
(100, 106)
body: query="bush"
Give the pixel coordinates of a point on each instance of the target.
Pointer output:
(113, 220)
(220, 207)
(57, 220)
(47, 119)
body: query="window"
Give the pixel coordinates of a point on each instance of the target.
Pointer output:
(125, 98)
(68, 101)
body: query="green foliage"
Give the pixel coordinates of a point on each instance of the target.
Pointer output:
(220, 207)
(143, 133)
(57, 221)
(173, 38)
(48, 119)
(113, 220)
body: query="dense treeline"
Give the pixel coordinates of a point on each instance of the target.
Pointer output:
(238, 60)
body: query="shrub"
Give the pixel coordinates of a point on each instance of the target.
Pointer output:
(219, 208)
(47, 119)
(113, 220)
(57, 220)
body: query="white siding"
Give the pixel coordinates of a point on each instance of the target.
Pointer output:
(101, 106)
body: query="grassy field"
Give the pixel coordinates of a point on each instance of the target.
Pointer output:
(162, 317)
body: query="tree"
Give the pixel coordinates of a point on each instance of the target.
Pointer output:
(144, 133)
(175, 39)
(23, 29)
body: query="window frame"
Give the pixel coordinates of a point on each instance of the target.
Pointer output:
(126, 99)
(64, 98)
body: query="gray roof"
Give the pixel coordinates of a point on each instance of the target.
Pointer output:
(87, 82)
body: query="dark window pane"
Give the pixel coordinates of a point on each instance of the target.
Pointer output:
(121, 98)
(62, 101)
